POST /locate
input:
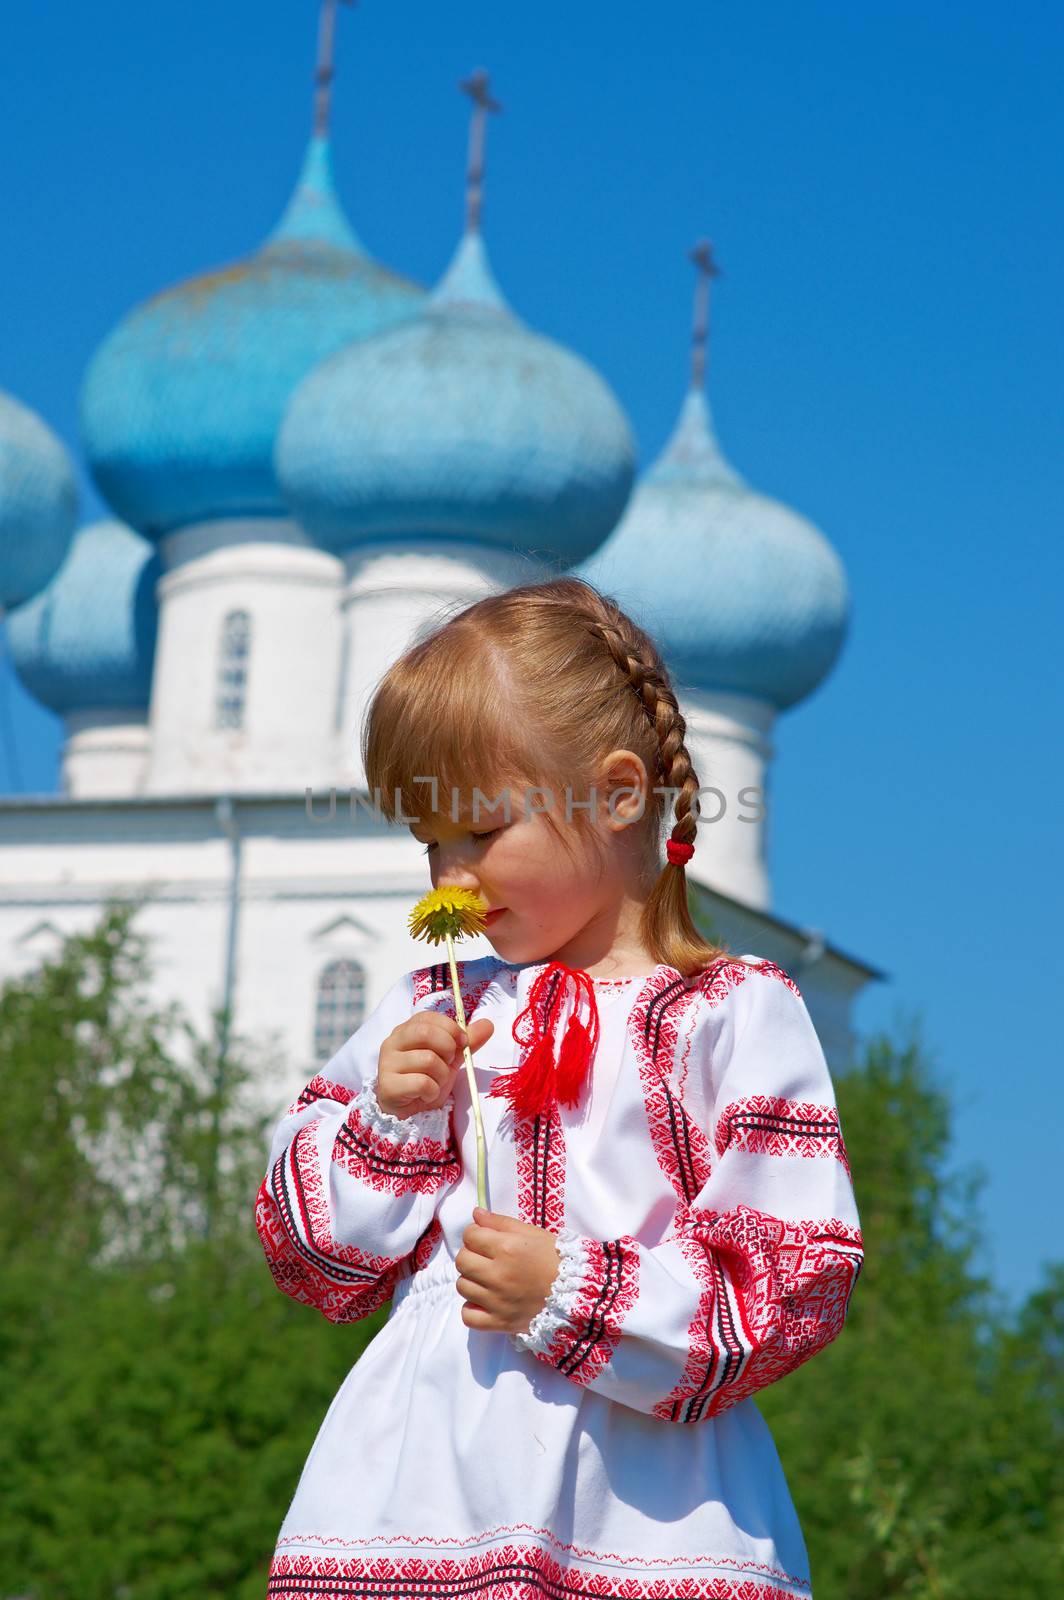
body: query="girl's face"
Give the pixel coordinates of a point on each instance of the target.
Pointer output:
(543, 899)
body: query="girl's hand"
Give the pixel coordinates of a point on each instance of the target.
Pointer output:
(420, 1059)
(507, 1269)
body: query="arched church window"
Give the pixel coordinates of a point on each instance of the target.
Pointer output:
(340, 1008)
(233, 655)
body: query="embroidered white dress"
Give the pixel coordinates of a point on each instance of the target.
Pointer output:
(701, 1197)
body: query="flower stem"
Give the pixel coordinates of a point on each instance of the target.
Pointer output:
(474, 1096)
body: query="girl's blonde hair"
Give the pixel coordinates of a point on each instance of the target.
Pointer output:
(534, 687)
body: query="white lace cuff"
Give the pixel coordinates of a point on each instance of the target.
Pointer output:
(574, 1272)
(434, 1125)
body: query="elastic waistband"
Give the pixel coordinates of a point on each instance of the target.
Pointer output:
(429, 1281)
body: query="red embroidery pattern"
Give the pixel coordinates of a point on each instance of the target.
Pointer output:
(768, 1125)
(508, 1572)
(344, 1284)
(725, 1360)
(680, 1145)
(539, 1155)
(581, 1350)
(293, 1214)
(320, 1088)
(584, 1552)
(685, 1403)
(777, 1292)
(723, 976)
(425, 1248)
(539, 1146)
(436, 981)
(421, 1166)
(682, 1148)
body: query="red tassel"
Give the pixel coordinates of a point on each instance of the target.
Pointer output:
(574, 1058)
(542, 1076)
(530, 1087)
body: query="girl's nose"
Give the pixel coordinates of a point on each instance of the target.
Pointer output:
(458, 880)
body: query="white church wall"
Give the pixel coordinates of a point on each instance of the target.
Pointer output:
(392, 593)
(728, 737)
(271, 724)
(105, 753)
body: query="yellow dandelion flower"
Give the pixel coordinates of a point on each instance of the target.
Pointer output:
(448, 913)
(442, 916)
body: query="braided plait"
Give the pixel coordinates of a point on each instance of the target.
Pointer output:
(639, 662)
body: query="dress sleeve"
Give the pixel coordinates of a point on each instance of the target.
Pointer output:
(756, 1273)
(350, 1191)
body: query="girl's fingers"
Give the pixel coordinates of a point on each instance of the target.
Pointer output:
(429, 1032)
(472, 1289)
(480, 1032)
(430, 1035)
(426, 1063)
(442, 1033)
(425, 1056)
(477, 1033)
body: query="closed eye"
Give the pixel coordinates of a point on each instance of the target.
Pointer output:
(479, 836)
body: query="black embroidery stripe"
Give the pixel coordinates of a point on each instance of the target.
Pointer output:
(552, 995)
(729, 1338)
(656, 1012)
(540, 1157)
(774, 967)
(692, 1407)
(707, 972)
(340, 1271)
(361, 1586)
(541, 1133)
(308, 1097)
(609, 1289)
(678, 1126)
(681, 1141)
(779, 1122)
(366, 1152)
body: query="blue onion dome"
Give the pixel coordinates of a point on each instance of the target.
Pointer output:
(462, 424)
(88, 639)
(740, 592)
(181, 403)
(38, 502)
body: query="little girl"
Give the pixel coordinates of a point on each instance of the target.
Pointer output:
(559, 1404)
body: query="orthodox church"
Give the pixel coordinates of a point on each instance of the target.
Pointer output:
(310, 460)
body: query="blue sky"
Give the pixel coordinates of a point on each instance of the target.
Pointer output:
(880, 185)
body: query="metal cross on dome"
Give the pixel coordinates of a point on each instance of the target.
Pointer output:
(702, 256)
(476, 87)
(325, 71)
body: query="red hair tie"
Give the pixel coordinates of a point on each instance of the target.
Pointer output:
(542, 1077)
(678, 852)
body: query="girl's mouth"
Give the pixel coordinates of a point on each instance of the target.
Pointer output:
(493, 915)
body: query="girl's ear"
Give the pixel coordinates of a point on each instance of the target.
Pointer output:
(627, 788)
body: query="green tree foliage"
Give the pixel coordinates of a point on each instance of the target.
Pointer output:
(158, 1396)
